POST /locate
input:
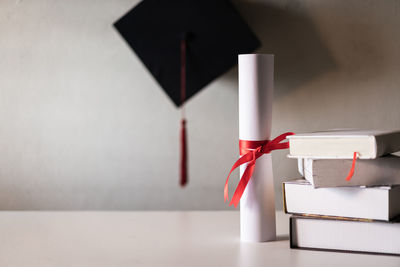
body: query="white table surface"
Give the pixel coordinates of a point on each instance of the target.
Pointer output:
(196, 238)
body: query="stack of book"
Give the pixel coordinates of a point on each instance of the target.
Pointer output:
(330, 212)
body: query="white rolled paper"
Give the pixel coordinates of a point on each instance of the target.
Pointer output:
(257, 205)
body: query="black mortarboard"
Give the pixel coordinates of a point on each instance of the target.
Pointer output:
(216, 34)
(186, 44)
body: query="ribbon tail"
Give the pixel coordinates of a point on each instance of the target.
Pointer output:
(242, 184)
(276, 143)
(283, 145)
(244, 159)
(281, 137)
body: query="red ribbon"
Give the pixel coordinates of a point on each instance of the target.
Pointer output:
(250, 152)
(353, 166)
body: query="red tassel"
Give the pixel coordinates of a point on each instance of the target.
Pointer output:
(183, 166)
(183, 169)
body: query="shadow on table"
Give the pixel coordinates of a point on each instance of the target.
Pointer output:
(282, 237)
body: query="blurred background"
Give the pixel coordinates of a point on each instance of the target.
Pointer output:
(84, 126)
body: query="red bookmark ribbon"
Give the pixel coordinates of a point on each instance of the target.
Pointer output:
(250, 152)
(353, 166)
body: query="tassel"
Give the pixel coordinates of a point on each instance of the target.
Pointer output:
(183, 165)
(183, 169)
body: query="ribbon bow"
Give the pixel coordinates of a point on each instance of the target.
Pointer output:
(250, 152)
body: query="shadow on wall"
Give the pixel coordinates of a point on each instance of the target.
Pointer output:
(300, 55)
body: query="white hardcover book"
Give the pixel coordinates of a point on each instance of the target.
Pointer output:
(345, 235)
(333, 172)
(342, 144)
(374, 203)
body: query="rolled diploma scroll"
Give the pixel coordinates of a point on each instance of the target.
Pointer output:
(257, 205)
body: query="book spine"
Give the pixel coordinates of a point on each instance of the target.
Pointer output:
(294, 240)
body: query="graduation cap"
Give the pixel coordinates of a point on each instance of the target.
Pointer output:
(186, 44)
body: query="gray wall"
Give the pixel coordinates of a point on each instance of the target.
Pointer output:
(83, 125)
